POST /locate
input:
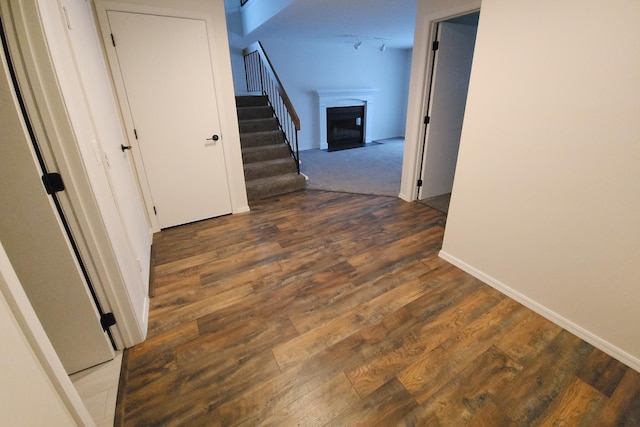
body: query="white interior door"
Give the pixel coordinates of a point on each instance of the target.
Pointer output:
(39, 249)
(166, 67)
(450, 86)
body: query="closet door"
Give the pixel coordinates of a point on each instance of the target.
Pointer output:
(33, 234)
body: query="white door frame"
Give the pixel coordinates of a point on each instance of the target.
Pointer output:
(45, 103)
(101, 8)
(418, 108)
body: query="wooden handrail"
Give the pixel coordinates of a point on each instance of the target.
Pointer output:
(257, 47)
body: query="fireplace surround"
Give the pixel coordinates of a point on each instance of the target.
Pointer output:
(345, 98)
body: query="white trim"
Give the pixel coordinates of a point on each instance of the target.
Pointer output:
(545, 312)
(344, 98)
(405, 197)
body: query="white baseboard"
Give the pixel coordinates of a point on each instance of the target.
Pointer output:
(242, 209)
(145, 318)
(404, 197)
(545, 312)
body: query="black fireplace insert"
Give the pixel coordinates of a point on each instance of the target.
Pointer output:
(345, 127)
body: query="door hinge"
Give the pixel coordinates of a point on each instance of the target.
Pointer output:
(52, 182)
(155, 211)
(113, 40)
(427, 119)
(107, 320)
(434, 47)
(135, 133)
(419, 183)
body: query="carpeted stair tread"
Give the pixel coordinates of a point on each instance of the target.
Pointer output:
(255, 139)
(251, 101)
(249, 113)
(274, 185)
(269, 168)
(258, 125)
(265, 152)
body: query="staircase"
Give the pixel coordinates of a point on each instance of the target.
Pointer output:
(269, 169)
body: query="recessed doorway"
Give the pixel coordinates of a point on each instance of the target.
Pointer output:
(453, 50)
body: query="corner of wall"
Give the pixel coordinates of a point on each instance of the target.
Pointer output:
(545, 312)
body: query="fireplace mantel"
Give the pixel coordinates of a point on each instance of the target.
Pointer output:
(344, 98)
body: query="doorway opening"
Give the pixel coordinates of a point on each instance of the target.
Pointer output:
(452, 51)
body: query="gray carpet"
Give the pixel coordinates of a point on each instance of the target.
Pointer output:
(375, 168)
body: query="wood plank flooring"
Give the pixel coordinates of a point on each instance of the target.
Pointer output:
(320, 308)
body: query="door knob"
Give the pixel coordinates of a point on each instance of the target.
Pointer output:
(213, 138)
(125, 147)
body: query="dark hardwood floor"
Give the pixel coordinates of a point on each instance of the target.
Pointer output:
(320, 308)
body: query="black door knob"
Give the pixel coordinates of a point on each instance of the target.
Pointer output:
(213, 138)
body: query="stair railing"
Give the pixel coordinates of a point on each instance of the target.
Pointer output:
(261, 77)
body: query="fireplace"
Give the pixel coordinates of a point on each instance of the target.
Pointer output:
(345, 127)
(360, 98)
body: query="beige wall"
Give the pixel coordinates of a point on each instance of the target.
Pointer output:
(546, 201)
(27, 395)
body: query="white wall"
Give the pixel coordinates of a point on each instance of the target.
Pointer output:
(257, 12)
(235, 33)
(545, 202)
(305, 68)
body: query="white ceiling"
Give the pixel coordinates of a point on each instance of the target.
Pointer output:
(330, 21)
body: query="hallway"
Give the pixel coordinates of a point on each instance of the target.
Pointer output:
(323, 308)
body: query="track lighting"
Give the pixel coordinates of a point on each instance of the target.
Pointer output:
(357, 41)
